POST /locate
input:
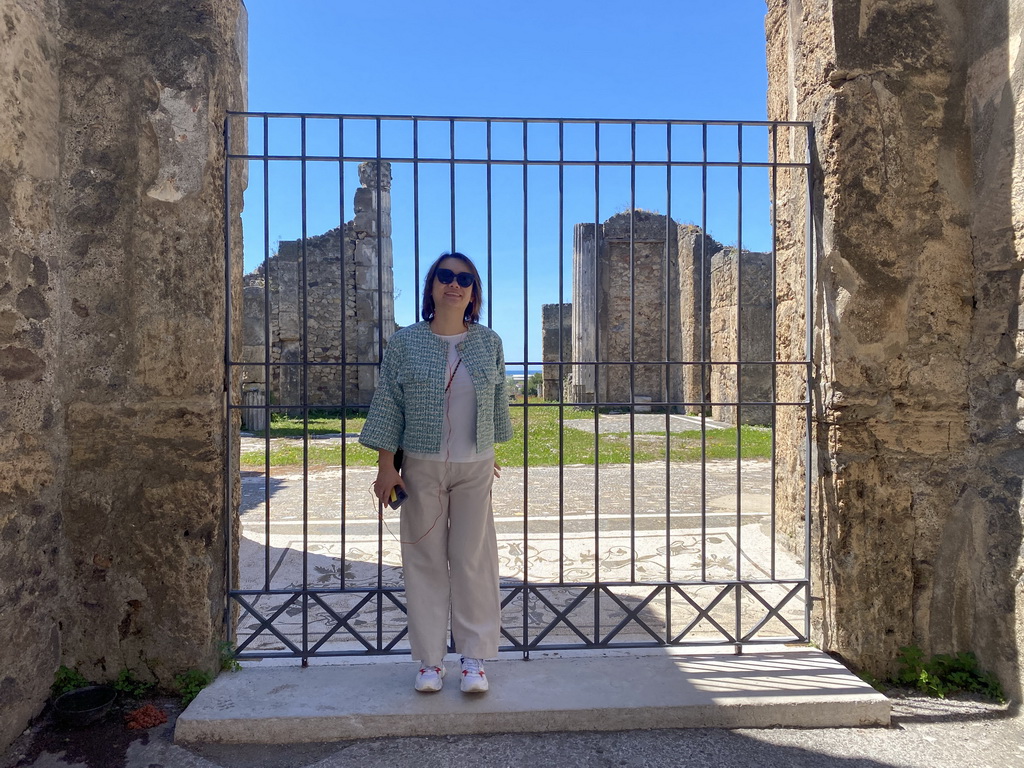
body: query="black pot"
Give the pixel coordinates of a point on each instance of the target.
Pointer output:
(84, 705)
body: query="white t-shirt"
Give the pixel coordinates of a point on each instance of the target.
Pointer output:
(458, 430)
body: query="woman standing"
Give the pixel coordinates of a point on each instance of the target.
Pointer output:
(441, 398)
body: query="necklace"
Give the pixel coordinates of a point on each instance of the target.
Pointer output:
(449, 384)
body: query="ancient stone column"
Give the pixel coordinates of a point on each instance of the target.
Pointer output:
(372, 276)
(695, 253)
(556, 347)
(144, 87)
(585, 293)
(33, 442)
(741, 331)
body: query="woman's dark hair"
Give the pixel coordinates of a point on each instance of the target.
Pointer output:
(473, 308)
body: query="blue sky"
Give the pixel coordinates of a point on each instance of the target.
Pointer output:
(662, 59)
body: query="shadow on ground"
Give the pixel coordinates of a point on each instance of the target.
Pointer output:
(926, 732)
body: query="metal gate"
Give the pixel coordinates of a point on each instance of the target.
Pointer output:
(651, 281)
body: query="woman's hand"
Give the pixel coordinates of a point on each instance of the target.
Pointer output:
(497, 469)
(387, 477)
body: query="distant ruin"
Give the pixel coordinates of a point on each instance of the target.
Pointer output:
(347, 318)
(677, 320)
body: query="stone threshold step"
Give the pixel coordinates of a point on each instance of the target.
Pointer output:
(269, 703)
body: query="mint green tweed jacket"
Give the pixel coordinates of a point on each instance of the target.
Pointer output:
(407, 410)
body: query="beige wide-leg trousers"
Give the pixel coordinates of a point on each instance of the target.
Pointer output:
(453, 567)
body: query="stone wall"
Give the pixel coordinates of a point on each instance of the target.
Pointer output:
(680, 307)
(918, 434)
(33, 445)
(556, 347)
(111, 338)
(695, 252)
(741, 321)
(625, 310)
(334, 270)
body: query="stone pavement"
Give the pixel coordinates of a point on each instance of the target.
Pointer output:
(275, 703)
(648, 523)
(926, 733)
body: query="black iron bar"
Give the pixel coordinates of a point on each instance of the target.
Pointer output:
(343, 298)
(490, 251)
(810, 284)
(229, 514)
(526, 378)
(416, 215)
(266, 354)
(514, 162)
(305, 409)
(451, 180)
(472, 119)
(597, 378)
(561, 354)
(380, 353)
(666, 323)
(739, 384)
(632, 351)
(705, 357)
(773, 421)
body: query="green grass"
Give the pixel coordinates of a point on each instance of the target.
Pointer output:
(320, 423)
(546, 437)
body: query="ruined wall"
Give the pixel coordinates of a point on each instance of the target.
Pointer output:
(695, 252)
(556, 347)
(616, 319)
(33, 447)
(918, 507)
(112, 314)
(741, 322)
(142, 246)
(682, 306)
(333, 279)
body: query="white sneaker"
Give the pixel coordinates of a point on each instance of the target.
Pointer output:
(474, 679)
(428, 679)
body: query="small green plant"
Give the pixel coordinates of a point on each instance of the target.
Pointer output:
(129, 685)
(228, 662)
(944, 674)
(190, 683)
(67, 680)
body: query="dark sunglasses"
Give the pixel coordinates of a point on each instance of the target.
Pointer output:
(445, 276)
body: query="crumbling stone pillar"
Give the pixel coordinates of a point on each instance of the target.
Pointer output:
(33, 446)
(741, 330)
(918, 143)
(556, 347)
(144, 89)
(616, 319)
(695, 252)
(585, 302)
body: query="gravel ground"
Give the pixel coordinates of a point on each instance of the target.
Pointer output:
(927, 733)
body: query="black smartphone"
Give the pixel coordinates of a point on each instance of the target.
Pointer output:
(398, 495)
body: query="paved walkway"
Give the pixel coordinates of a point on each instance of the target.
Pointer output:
(926, 733)
(646, 523)
(580, 691)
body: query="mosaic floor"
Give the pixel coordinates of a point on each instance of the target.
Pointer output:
(649, 528)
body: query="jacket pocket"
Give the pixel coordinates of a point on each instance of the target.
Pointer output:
(415, 375)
